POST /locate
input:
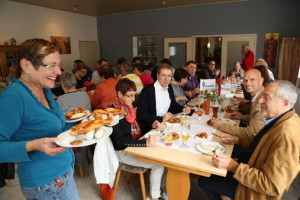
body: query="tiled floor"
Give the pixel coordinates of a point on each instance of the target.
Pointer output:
(89, 190)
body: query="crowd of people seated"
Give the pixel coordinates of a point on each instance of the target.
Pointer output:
(266, 153)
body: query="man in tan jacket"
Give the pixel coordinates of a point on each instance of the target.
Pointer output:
(272, 159)
(253, 83)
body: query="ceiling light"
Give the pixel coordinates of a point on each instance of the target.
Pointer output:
(208, 44)
(164, 2)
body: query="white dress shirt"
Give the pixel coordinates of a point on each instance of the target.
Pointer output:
(162, 99)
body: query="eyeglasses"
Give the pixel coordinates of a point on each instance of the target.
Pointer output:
(52, 66)
(130, 96)
(84, 72)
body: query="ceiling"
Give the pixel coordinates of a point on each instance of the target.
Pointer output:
(111, 7)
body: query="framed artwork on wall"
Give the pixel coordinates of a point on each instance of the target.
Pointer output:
(63, 43)
(270, 48)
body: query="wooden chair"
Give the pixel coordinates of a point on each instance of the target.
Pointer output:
(131, 169)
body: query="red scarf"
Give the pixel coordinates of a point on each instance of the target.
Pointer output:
(130, 117)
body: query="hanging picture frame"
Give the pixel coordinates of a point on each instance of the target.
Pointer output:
(271, 48)
(63, 43)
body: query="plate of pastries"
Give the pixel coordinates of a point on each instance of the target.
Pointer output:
(94, 127)
(77, 114)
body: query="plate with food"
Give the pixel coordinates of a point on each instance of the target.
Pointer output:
(68, 139)
(202, 135)
(239, 91)
(77, 114)
(174, 121)
(175, 135)
(116, 112)
(210, 148)
(229, 121)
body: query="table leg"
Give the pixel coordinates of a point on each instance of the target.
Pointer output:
(178, 184)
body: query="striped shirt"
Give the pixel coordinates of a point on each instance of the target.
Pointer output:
(136, 80)
(69, 101)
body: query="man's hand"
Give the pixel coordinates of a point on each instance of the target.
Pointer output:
(235, 116)
(221, 161)
(217, 72)
(156, 124)
(186, 110)
(152, 140)
(229, 139)
(216, 123)
(45, 145)
(167, 116)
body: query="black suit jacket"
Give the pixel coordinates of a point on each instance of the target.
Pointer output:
(146, 109)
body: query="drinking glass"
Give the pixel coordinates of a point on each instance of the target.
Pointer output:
(215, 106)
(184, 137)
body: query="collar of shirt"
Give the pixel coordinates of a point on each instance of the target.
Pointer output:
(270, 120)
(158, 86)
(254, 98)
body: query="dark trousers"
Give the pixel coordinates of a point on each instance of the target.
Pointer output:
(215, 186)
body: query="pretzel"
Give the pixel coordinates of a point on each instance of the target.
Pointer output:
(77, 113)
(115, 111)
(175, 136)
(85, 127)
(104, 116)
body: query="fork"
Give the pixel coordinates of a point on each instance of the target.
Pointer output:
(216, 135)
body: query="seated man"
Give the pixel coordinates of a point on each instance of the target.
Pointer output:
(209, 71)
(271, 160)
(255, 121)
(191, 88)
(157, 101)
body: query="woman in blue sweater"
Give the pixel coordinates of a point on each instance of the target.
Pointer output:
(31, 122)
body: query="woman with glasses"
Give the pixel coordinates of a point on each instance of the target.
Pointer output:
(32, 122)
(127, 134)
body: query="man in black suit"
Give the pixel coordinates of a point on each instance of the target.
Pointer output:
(157, 101)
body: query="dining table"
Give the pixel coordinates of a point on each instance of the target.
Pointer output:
(180, 163)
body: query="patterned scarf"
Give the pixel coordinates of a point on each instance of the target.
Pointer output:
(130, 117)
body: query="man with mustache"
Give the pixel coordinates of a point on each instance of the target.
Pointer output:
(271, 160)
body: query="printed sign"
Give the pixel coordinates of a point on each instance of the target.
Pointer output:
(207, 84)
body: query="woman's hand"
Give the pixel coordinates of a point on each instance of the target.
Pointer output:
(181, 98)
(152, 140)
(45, 145)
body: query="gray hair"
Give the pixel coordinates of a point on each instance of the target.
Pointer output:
(286, 90)
(68, 80)
(245, 46)
(261, 61)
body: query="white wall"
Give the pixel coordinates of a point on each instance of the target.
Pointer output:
(24, 21)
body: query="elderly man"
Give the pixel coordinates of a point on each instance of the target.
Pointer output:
(191, 88)
(271, 160)
(157, 101)
(255, 121)
(248, 57)
(261, 61)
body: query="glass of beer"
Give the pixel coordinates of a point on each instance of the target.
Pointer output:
(184, 137)
(215, 107)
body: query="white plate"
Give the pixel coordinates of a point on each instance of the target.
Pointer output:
(217, 147)
(66, 138)
(153, 132)
(114, 122)
(229, 121)
(77, 120)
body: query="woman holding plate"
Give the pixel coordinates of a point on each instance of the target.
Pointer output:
(32, 121)
(127, 134)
